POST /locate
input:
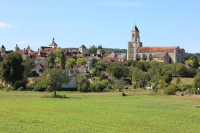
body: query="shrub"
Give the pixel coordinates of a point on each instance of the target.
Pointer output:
(170, 90)
(40, 86)
(83, 84)
(194, 91)
(34, 74)
(102, 76)
(18, 84)
(1, 86)
(20, 88)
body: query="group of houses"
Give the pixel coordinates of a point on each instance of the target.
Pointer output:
(135, 51)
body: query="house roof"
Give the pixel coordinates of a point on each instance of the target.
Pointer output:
(159, 54)
(111, 55)
(82, 46)
(40, 58)
(157, 49)
(43, 65)
(121, 55)
(67, 57)
(79, 66)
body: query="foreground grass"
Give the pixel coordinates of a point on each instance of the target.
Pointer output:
(142, 111)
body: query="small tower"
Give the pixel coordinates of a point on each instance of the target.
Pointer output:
(53, 44)
(134, 44)
(99, 52)
(3, 49)
(17, 48)
(83, 49)
(28, 47)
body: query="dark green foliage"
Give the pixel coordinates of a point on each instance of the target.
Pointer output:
(18, 84)
(92, 63)
(86, 54)
(92, 50)
(116, 69)
(189, 55)
(1, 57)
(196, 82)
(83, 84)
(62, 60)
(11, 69)
(195, 64)
(102, 76)
(51, 57)
(34, 74)
(194, 91)
(170, 90)
(40, 86)
(28, 63)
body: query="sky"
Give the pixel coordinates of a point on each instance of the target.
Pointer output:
(99, 22)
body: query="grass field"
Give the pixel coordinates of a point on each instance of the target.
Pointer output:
(140, 111)
(188, 81)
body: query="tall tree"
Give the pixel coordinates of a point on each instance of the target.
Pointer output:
(70, 63)
(62, 60)
(54, 78)
(92, 63)
(11, 69)
(81, 61)
(116, 69)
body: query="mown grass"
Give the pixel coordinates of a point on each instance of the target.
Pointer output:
(188, 81)
(141, 111)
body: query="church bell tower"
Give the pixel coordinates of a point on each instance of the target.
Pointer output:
(134, 44)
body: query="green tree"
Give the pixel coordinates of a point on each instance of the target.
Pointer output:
(196, 82)
(58, 52)
(70, 63)
(83, 84)
(54, 78)
(62, 60)
(116, 69)
(12, 69)
(81, 61)
(27, 67)
(181, 69)
(195, 64)
(51, 58)
(92, 50)
(92, 63)
(137, 75)
(153, 63)
(130, 61)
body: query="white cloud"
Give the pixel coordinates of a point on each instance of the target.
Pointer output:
(22, 42)
(121, 4)
(4, 25)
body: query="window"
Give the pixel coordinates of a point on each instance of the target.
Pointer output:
(133, 35)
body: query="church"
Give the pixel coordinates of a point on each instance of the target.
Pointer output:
(169, 54)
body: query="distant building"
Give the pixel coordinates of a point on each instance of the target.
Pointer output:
(53, 44)
(83, 49)
(73, 79)
(137, 52)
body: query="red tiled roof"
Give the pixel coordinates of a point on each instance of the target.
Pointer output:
(44, 65)
(82, 46)
(67, 57)
(40, 58)
(111, 55)
(156, 49)
(159, 54)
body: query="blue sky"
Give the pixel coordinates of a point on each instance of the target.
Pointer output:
(99, 22)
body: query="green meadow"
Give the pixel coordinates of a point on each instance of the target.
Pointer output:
(141, 111)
